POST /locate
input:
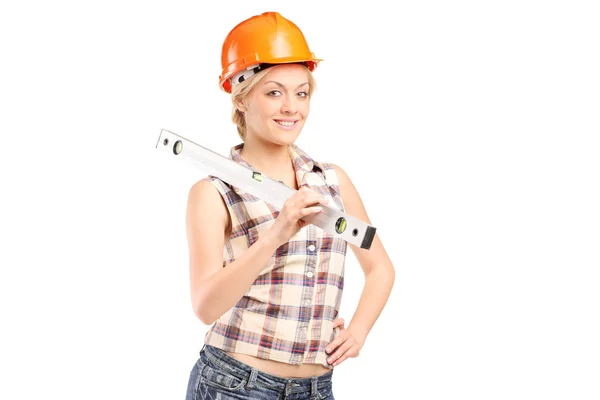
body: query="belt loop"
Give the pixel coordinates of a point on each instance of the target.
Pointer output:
(314, 391)
(252, 378)
(288, 389)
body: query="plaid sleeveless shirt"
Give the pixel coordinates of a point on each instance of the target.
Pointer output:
(287, 313)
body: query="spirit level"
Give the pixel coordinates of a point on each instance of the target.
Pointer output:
(330, 219)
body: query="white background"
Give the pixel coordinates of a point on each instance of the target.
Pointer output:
(469, 128)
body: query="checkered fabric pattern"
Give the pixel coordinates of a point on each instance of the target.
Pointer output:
(287, 314)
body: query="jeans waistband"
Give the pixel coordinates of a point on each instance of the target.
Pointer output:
(253, 376)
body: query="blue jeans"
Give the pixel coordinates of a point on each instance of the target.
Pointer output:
(217, 376)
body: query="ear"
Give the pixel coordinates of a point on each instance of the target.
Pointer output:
(239, 104)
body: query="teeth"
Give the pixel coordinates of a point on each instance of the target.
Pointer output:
(285, 123)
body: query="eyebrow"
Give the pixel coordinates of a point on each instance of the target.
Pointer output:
(281, 85)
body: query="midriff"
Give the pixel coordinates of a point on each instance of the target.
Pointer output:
(279, 368)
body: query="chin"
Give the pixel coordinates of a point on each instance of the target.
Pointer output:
(284, 138)
(283, 141)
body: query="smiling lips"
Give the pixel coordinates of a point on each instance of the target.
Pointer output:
(286, 124)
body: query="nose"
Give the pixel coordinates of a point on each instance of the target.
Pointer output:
(288, 104)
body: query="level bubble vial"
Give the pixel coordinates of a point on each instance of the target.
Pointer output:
(177, 147)
(340, 225)
(257, 176)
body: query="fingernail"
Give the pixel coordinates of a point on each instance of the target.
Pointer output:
(328, 349)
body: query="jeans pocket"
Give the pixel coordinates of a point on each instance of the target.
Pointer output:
(221, 379)
(325, 393)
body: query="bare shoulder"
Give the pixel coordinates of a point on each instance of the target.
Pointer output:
(341, 174)
(352, 200)
(203, 190)
(205, 204)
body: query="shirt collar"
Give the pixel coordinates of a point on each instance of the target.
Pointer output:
(301, 161)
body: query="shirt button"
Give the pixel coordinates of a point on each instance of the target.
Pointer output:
(311, 247)
(309, 274)
(307, 302)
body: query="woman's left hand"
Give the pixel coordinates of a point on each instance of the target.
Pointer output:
(343, 346)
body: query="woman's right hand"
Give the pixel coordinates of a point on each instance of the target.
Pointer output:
(289, 221)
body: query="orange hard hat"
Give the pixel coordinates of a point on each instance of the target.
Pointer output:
(260, 41)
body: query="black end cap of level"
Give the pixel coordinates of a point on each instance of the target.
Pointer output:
(368, 239)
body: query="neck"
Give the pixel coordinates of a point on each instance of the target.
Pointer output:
(269, 158)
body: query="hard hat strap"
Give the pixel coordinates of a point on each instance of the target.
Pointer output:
(249, 71)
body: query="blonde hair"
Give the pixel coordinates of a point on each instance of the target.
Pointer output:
(240, 91)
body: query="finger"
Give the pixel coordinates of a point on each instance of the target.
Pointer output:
(348, 354)
(301, 224)
(309, 210)
(335, 343)
(339, 352)
(313, 200)
(306, 192)
(301, 194)
(338, 322)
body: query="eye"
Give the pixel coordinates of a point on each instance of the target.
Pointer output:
(303, 94)
(274, 93)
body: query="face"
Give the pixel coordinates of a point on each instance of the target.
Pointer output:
(277, 107)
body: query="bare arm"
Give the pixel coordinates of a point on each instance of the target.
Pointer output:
(379, 280)
(215, 289)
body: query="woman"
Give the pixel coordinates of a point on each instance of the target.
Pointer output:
(269, 283)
